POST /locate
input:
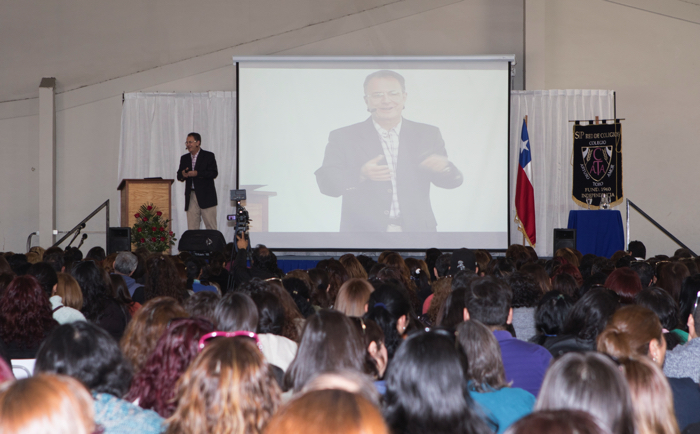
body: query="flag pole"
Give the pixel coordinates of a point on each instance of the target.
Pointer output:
(525, 239)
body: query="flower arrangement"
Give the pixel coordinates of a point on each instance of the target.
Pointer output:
(151, 230)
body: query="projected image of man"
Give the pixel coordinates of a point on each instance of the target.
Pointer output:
(383, 167)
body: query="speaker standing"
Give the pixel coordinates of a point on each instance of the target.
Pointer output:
(198, 170)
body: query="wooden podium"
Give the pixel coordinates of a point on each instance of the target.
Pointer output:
(136, 192)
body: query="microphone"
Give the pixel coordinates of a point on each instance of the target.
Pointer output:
(82, 240)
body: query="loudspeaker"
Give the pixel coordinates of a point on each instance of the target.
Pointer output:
(201, 240)
(564, 238)
(118, 240)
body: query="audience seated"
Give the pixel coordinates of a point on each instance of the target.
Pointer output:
(191, 362)
(490, 303)
(487, 378)
(89, 354)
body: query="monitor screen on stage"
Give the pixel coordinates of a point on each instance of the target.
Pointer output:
(375, 153)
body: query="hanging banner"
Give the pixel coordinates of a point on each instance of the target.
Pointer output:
(597, 164)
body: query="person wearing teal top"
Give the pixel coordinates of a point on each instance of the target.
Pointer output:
(501, 404)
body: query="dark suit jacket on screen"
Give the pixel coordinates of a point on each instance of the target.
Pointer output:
(366, 204)
(203, 182)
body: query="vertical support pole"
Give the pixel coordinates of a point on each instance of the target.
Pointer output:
(627, 240)
(47, 162)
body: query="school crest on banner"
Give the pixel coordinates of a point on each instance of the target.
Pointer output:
(597, 163)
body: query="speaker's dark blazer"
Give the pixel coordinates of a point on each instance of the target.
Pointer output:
(203, 182)
(366, 204)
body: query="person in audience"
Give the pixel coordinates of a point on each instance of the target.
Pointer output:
(452, 313)
(662, 304)
(489, 302)
(442, 266)
(539, 275)
(353, 267)
(89, 354)
(146, 327)
(353, 297)
(487, 378)
(590, 382)
(684, 360)
(68, 289)
(263, 263)
(121, 292)
(5, 267)
(635, 331)
(25, 317)
(571, 270)
(637, 250)
(558, 422)
(442, 288)
(195, 271)
(46, 404)
(391, 310)
(279, 350)
(569, 256)
(425, 389)
(670, 277)
(652, 398)
(526, 294)
(565, 284)
(500, 267)
(202, 305)
(98, 306)
(328, 411)
(125, 265)
(376, 358)
(48, 280)
(96, 254)
(586, 320)
(349, 381)
(321, 286)
(217, 272)
(686, 305)
(626, 283)
(236, 312)
(229, 388)
(293, 319)
(301, 295)
(645, 272)
(329, 342)
(162, 279)
(550, 315)
(154, 387)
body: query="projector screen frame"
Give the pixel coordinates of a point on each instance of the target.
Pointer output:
(510, 59)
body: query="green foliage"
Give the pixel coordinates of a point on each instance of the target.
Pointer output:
(151, 230)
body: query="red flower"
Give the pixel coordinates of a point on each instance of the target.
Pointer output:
(149, 207)
(153, 229)
(161, 229)
(143, 240)
(153, 239)
(145, 219)
(171, 233)
(162, 238)
(159, 213)
(139, 229)
(137, 215)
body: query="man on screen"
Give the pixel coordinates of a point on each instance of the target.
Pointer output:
(383, 167)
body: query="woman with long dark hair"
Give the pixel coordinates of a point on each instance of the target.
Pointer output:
(25, 317)
(329, 342)
(162, 279)
(98, 304)
(426, 389)
(390, 308)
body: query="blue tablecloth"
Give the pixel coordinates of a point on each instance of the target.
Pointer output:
(599, 232)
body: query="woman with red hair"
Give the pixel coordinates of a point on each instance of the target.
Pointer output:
(626, 283)
(25, 317)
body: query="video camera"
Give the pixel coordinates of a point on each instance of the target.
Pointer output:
(241, 217)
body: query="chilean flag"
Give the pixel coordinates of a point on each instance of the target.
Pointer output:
(524, 193)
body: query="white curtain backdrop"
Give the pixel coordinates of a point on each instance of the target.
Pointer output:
(551, 142)
(153, 134)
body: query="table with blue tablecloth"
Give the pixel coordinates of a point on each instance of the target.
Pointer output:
(598, 231)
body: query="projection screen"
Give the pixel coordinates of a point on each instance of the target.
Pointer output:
(364, 153)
